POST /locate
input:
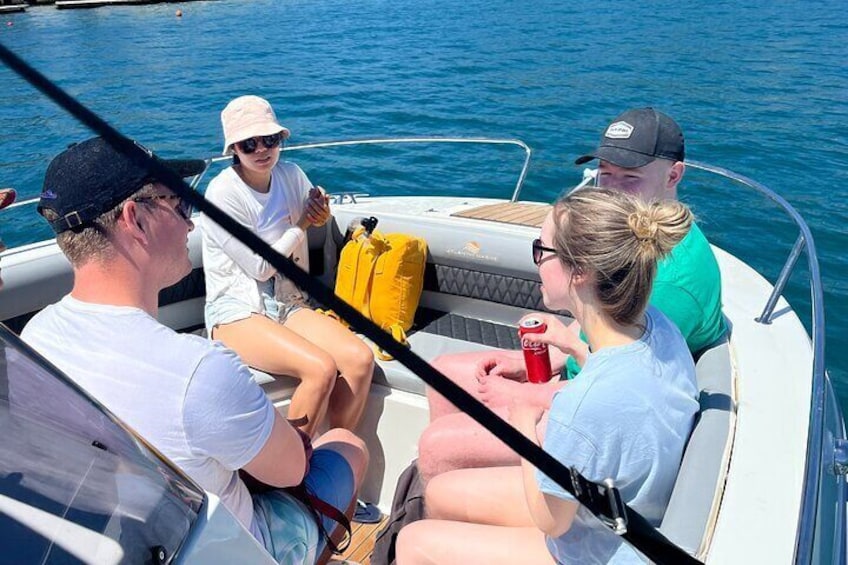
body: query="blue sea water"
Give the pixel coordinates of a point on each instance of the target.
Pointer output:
(760, 88)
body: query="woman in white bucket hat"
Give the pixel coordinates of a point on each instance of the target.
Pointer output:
(249, 306)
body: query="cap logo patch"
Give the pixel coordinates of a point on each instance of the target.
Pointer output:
(619, 130)
(49, 195)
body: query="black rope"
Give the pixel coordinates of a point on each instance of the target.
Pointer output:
(598, 498)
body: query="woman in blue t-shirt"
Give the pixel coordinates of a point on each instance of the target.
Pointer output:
(626, 416)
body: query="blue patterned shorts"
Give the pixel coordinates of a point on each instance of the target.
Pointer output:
(288, 529)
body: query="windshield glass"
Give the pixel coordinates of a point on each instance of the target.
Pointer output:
(74, 484)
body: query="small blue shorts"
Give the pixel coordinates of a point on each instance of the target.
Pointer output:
(289, 531)
(226, 309)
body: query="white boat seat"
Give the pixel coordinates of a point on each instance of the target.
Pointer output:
(694, 503)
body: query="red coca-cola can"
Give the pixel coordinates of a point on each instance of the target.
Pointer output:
(536, 355)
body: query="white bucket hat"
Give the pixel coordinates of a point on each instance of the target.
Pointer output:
(246, 117)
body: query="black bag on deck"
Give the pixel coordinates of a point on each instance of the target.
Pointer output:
(407, 507)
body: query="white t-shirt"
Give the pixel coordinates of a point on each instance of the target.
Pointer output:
(191, 398)
(230, 267)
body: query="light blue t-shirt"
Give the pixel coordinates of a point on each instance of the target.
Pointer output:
(626, 416)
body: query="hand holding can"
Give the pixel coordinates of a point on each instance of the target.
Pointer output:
(536, 355)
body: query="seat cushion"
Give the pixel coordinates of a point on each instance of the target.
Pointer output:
(694, 502)
(428, 346)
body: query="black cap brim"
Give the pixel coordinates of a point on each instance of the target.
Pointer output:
(92, 177)
(186, 167)
(617, 156)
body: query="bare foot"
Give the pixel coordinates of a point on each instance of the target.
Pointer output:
(497, 391)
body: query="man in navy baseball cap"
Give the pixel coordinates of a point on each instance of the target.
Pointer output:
(126, 235)
(91, 178)
(641, 152)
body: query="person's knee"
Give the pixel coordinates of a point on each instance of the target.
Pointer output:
(434, 494)
(320, 375)
(430, 440)
(411, 543)
(433, 451)
(350, 446)
(358, 360)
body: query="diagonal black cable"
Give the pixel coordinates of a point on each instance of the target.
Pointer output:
(601, 500)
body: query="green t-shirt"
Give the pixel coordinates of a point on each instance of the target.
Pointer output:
(687, 289)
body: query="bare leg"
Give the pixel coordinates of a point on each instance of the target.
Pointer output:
(456, 441)
(470, 524)
(459, 368)
(269, 346)
(352, 356)
(459, 543)
(479, 496)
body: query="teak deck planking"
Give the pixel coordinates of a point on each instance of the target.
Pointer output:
(362, 543)
(519, 213)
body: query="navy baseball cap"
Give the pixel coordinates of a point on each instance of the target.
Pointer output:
(637, 137)
(90, 178)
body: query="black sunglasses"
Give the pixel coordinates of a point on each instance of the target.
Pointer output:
(184, 208)
(249, 145)
(539, 249)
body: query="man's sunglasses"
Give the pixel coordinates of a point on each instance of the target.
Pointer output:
(539, 250)
(249, 145)
(183, 208)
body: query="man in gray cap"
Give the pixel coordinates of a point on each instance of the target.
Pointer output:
(125, 234)
(641, 152)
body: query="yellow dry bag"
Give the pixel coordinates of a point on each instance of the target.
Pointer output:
(382, 276)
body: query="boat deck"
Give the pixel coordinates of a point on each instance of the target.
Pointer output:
(362, 544)
(518, 213)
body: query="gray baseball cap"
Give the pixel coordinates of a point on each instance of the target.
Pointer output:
(637, 137)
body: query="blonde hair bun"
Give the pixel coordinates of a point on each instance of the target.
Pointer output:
(619, 238)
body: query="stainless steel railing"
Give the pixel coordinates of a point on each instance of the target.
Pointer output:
(396, 140)
(195, 181)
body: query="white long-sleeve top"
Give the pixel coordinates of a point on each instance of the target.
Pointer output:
(230, 267)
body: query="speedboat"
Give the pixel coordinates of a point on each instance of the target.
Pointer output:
(762, 479)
